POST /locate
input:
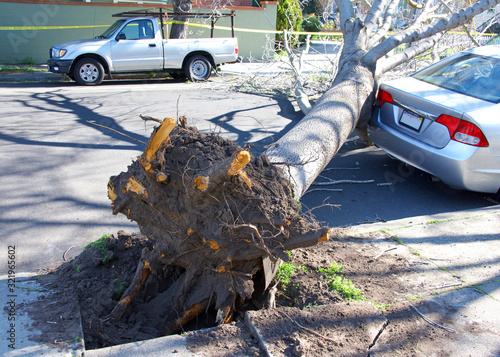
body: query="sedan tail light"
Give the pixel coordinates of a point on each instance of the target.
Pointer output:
(383, 97)
(463, 131)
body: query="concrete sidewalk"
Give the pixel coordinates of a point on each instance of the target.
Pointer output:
(461, 247)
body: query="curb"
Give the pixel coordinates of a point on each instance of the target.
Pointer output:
(427, 219)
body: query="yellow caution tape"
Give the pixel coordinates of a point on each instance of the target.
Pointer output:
(224, 28)
(47, 27)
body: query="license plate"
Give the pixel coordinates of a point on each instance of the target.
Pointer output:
(411, 121)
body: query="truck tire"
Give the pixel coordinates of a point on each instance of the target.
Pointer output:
(88, 72)
(197, 68)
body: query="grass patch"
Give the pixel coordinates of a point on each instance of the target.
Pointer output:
(382, 307)
(17, 69)
(336, 282)
(102, 246)
(284, 274)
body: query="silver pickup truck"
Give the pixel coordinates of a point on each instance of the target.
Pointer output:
(136, 44)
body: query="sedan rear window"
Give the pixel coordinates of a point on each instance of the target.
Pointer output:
(472, 75)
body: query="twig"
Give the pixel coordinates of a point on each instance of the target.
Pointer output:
(67, 250)
(257, 233)
(448, 286)
(309, 330)
(385, 251)
(342, 168)
(147, 117)
(432, 322)
(384, 184)
(116, 131)
(324, 189)
(338, 182)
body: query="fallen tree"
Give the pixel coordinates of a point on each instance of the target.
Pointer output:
(213, 211)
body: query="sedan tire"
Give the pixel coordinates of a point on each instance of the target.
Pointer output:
(88, 72)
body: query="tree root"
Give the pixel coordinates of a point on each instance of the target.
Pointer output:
(216, 216)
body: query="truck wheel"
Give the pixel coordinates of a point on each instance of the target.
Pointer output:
(198, 68)
(88, 72)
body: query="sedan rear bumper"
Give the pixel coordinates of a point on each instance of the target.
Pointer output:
(458, 165)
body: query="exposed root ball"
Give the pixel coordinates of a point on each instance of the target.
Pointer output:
(213, 212)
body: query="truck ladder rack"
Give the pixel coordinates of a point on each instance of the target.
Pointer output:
(161, 14)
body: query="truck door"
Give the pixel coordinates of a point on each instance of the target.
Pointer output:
(137, 48)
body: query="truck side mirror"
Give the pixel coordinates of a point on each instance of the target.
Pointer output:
(121, 36)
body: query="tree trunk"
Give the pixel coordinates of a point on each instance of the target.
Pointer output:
(179, 27)
(212, 212)
(310, 145)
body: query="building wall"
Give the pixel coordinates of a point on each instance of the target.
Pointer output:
(38, 17)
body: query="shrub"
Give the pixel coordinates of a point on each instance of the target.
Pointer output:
(289, 17)
(311, 24)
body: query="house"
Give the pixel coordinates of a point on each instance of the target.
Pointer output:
(30, 27)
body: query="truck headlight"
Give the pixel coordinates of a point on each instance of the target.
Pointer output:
(58, 52)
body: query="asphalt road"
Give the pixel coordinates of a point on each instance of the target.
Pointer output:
(59, 145)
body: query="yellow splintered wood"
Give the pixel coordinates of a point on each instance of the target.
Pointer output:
(221, 269)
(245, 178)
(201, 182)
(325, 236)
(213, 244)
(111, 191)
(160, 136)
(135, 186)
(161, 176)
(242, 158)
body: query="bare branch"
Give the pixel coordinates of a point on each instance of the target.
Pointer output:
(382, 31)
(346, 11)
(393, 61)
(374, 14)
(432, 322)
(442, 25)
(414, 4)
(463, 26)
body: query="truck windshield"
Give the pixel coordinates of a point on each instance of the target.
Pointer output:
(112, 29)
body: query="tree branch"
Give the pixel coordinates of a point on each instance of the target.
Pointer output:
(374, 14)
(388, 63)
(346, 11)
(382, 31)
(442, 25)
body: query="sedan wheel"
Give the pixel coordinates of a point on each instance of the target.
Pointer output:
(88, 71)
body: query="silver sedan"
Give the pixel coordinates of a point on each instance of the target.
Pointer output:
(445, 119)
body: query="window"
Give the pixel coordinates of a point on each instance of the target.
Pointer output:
(476, 76)
(138, 29)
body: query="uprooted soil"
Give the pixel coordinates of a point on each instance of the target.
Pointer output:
(390, 282)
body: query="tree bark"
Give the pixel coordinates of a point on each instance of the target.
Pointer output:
(179, 27)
